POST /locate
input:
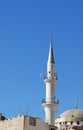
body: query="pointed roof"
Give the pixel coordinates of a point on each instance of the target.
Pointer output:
(51, 57)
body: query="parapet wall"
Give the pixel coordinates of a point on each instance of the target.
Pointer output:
(24, 123)
(15, 123)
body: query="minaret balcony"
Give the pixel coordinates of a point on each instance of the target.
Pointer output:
(53, 77)
(50, 100)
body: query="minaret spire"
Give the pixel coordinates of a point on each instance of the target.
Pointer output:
(50, 103)
(51, 57)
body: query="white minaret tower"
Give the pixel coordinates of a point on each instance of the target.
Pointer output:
(50, 103)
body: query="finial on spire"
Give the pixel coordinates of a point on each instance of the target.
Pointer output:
(51, 38)
(51, 57)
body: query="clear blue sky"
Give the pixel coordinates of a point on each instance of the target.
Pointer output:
(25, 27)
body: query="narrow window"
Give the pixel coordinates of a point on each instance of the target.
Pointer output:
(52, 129)
(65, 122)
(78, 122)
(71, 122)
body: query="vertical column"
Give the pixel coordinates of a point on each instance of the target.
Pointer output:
(50, 104)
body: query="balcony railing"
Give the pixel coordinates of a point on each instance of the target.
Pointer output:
(51, 76)
(50, 100)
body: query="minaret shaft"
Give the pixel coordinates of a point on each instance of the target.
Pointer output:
(50, 104)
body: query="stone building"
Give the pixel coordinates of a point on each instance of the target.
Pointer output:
(23, 122)
(70, 119)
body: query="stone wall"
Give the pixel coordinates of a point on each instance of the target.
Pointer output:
(34, 124)
(15, 123)
(24, 123)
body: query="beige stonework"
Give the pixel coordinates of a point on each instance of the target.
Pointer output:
(24, 123)
(15, 123)
(71, 128)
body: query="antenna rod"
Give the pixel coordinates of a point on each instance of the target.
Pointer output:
(76, 104)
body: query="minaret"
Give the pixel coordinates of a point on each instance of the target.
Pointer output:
(50, 104)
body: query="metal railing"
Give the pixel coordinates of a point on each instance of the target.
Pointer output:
(50, 100)
(53, 76)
